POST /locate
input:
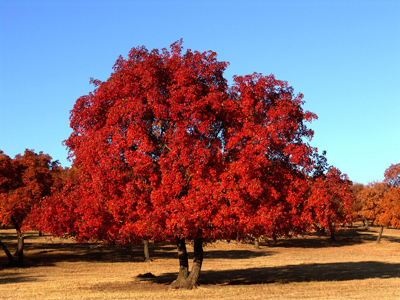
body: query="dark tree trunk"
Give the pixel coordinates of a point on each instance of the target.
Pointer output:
(11, 261)
(256, 243)
(20, 243)
(146, 251)
(274, 239)
(380, 235)
(332, 232)
(192, 280)
(183, 264)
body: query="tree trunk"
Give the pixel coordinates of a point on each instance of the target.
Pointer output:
(20, 249)
(332, 232)
(194, 275)
(146, 251)
(20, 243)
(11, 261)
(183, 264)
(366, 224)
(256, 243)
(380, 235)
(274, 239)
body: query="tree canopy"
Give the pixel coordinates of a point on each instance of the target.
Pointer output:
(24, 182)
(167, 150)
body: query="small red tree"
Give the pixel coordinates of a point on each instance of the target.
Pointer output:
(331, 200)
(24, 181)
(166, 150)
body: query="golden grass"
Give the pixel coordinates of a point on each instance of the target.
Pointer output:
(313, 267)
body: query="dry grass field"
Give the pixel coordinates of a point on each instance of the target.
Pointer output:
(314, 267)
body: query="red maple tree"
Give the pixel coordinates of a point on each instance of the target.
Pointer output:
(24, 182)
(331, 200)
(167, 151)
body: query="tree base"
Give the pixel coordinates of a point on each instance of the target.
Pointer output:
(184, 280)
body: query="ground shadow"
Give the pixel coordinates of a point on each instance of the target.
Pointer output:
(50, 254)
(39, 253)
(295, 273)
(16, 278)
(345, 237)
(235, 254)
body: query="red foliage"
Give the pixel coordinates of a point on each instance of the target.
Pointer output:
(165, 148)
(331, 199)
(24, 181)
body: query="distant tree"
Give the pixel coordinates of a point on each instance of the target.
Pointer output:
(24, 182)
(55, 214)
(330, 200)
(371, 198)
(392, 175)
(390, 215)
(381, 201)
(357, 205)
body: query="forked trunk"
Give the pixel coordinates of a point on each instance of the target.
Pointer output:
(183, 264)
(185, 280)
(11, 261)
(146, 251)
(380, 235)
(192, 280)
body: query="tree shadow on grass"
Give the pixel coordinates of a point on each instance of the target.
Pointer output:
(235, 254)
(52, 251)
(295, 273)
(57, 252)
(49, 253)
(345, 237)
(45, 254)
(16, 278)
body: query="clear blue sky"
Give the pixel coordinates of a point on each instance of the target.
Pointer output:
(343, 55)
